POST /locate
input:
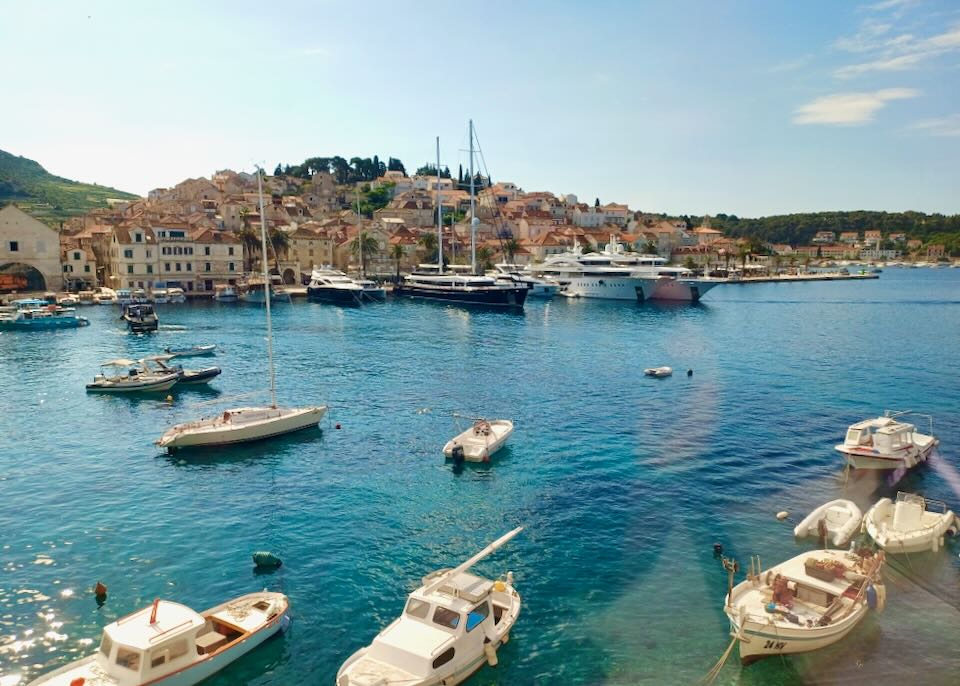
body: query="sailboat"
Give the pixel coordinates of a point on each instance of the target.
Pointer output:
(244, 424)
(430, 282)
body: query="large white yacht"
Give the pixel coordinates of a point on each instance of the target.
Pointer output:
(595, 275)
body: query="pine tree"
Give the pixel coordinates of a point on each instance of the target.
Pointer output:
(596, 203)
(278, 171)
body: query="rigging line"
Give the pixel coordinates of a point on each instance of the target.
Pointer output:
(493, 201)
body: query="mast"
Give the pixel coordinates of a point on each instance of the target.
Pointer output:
(267, 288)
(363, 271)
(439, 216)
(490, 549)
(473, 211)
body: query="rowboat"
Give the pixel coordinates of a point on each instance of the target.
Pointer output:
(480, 441)
(170, 644)
(841, 519)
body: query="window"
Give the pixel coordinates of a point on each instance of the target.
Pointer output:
(76, 256)
(128, 254)
(189, 266)
(179, 267)
(230, 266)
(86, 268)
(14, 246)
(177, 234)
(178, 250)
(206, 250)
(188, 250)
(476, 616)
(149, 269)
(166, 266)
(149, 253)
(106, 645)
(66, 267)
(128, 658)
(129, 269)
(418, 608)
(138, 237)
(230, 251)
(446, 618)
(206, 266)
(444, 657)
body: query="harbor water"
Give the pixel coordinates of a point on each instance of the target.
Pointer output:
(623, 482)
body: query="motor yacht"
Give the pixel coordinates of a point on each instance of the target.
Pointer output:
(595, 275)
(887, 443)
(141, 318)
(330, 285)
(516, 274)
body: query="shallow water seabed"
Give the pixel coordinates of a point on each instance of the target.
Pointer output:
(623, 482)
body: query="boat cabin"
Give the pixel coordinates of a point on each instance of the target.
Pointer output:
(883, 435)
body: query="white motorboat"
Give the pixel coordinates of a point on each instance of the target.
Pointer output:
(451, 624)
(594, 275)
(160, 296)
(372, 290)
(225, 293)
(243, 424)
(909, 525)
(171, 645)
(514, 273)
(85, 298)
(659, 372)
(176, 295)
(808, 602)
(160, 364)
(841, 520)
(124, 296)
(192, 351)
(127, 376)
(68, 300)
(105, 296)
(480, 441)
(887, 443)
(330, 285)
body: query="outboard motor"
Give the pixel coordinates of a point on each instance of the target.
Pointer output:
(457, 454)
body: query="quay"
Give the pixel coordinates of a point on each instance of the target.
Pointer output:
(789, 278)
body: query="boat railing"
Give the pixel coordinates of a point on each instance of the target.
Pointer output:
(923, 501)
(157, 637)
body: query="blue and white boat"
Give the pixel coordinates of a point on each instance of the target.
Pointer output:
(192, 351)
(38, 315)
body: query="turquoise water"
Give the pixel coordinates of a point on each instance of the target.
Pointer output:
(622, 482)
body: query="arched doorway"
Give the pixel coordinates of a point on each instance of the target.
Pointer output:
(289, 276)
(16, 276)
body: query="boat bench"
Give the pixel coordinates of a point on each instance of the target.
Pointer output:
(210, 642)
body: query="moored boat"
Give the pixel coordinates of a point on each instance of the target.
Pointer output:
(328, 285)
(805, 603)
(37, 315)
(480, 441)
(160, 364)
(841, 520)
(225, 293)
(141, 318)
(659, 372)
(192, 350)
(515, 274)
(176, 295)
(886, 443)
(909, 525)
(170, 644)
(450, 626)
(127, 376)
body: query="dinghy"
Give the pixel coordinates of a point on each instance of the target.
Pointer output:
(909, 525)
(480, 441)
(806, 603)
(192, 351)
(841, 518)
(170, 644)
(659, 372)
(450, 625)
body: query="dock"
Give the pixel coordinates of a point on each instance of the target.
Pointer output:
(790, 278)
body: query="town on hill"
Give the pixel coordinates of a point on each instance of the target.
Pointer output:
(372, 217)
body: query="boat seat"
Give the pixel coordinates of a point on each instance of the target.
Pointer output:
(907, 516)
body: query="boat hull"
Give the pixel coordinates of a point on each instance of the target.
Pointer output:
(199, 376)
(44, 324)
(264, 422)
(759, 641)
(479, 447)
(682, 290)
(336, 296)
(629, 288)
(160, 385)
(866, 458)
(486, 297)
(842, 518)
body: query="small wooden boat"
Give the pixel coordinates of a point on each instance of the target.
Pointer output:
(192, 351)
(130, 378)
(841, 519)
(451, 624)
(808, 602)
(658, 372)
(480, 441)
(170, 644)
(911, 524)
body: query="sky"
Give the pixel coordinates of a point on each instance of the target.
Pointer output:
(742, 107)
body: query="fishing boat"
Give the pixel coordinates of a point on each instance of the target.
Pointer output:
(225, 293)
(160, 364)
(480, 441)
(450, 626)
(244, 424)
(806, 603)
(30, 314)
(909, 525)
(887, 443)
(659, 372)
(192, 350)
(126, 376)
(171, 645)
(841, 520)
(141, 318)
(434, 283)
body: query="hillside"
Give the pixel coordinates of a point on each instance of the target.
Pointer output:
(50, 198)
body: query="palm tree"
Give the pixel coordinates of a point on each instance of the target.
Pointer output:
(743, 254)
(365, 245)
(510, 248)
(279, 240)
(485, 258)
(251, 244)
(428, 242)
(396, 253)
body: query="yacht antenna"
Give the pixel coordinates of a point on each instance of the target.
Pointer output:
(473, 210)
(267, 288)
(439, 216)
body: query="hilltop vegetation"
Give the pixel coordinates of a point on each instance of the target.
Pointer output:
(50, 198)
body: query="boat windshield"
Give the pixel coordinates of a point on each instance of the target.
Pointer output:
(418, 608)
(446, 618)
(476, 616)
(106, 645)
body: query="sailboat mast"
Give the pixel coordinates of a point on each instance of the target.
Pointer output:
(360, 233)
(473, 210)
(439, 216)
(267, 288)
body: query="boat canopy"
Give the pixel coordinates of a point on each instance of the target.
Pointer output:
(136, 630)
(119, 362)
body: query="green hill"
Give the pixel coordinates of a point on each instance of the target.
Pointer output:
(50, 198)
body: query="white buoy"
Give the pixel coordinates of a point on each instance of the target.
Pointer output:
(782, 514)
(491, 653)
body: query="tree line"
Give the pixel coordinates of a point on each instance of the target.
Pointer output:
(354, 170)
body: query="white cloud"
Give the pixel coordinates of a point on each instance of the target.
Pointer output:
(892, 64)
(897, 54)
(941, 126)
(890, 4)
(849, 109)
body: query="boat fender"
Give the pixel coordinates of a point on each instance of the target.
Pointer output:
(717, 550)
(491, 654)
(881, 596)
(782, 514)
(499, 586)
(506, 639)
(79, 681)
(100, 591)
(872, 597)
(266, 560)
(337, 427)
(689, 372)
